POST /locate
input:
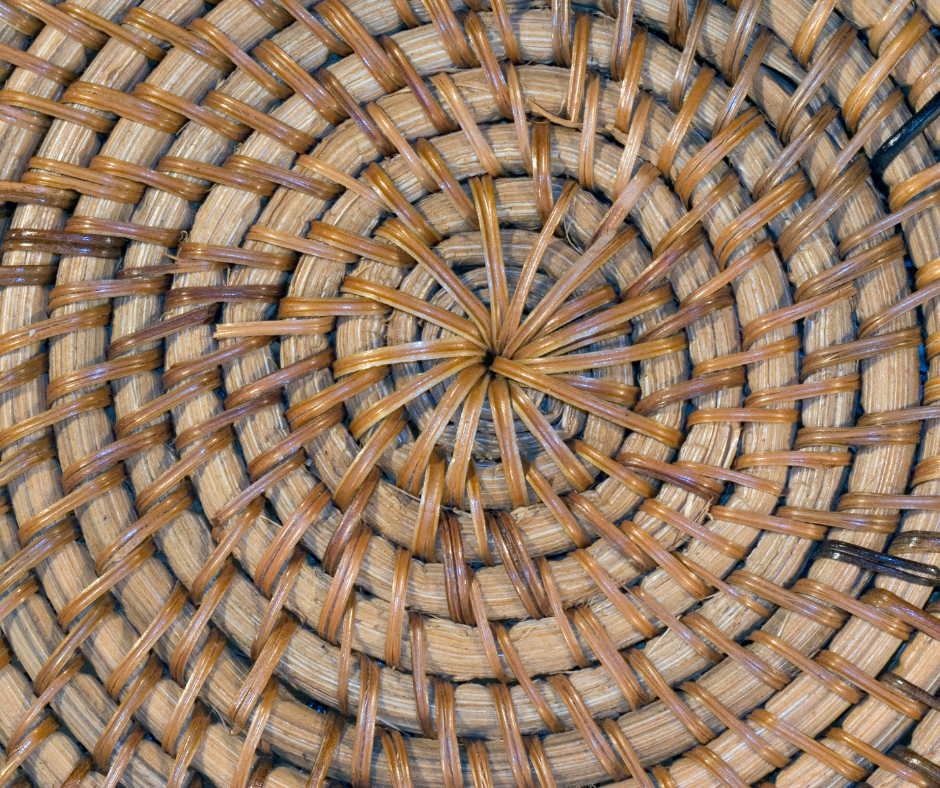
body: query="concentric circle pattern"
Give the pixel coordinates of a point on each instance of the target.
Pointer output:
(412, 393)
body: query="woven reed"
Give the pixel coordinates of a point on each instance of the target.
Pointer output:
(407, 393)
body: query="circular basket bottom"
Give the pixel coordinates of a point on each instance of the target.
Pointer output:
(409, 394)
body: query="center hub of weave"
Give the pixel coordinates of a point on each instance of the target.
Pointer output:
(508, 350)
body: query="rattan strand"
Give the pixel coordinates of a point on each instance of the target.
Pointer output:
(533, 392)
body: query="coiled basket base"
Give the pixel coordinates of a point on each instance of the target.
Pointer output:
(413, 394)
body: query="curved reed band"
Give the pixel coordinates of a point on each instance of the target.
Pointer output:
(403, 393)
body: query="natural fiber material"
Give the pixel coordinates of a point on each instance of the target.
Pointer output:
(408, 393)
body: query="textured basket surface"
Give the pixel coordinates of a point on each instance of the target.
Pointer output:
(515, 394)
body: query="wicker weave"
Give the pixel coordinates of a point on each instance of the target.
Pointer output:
(410, 393)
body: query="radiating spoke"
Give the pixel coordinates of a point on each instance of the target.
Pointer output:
(501, 407)
(557, 507)
(497, 355)
(377, 444)
(410, 474)
(626, 200)
(531, 265)
(586, 402)
(405, 353)
(414, 306)
(484, 197)
(579, 362)
(337, 394)
(617, 317)
(581, 306)
(621, 394)
(456, 481)
(592, 259)
(413, 389)
(613, 469)
(555, 447)
(400, 234)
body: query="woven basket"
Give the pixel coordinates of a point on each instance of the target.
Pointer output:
(407, 393)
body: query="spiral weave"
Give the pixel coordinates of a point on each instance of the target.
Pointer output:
(485, 394)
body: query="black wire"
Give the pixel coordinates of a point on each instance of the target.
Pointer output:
(898, 141)
(880, 563)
